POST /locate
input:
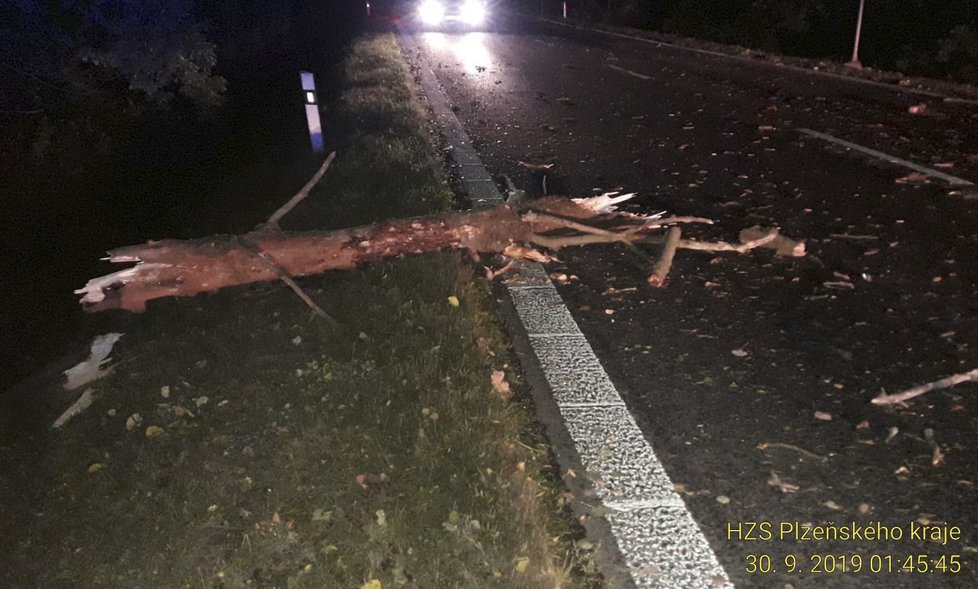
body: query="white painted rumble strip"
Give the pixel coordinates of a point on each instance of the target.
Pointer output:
(952, 180)
(657, 536)
(659, 541)
(635, 504)
(629, 72)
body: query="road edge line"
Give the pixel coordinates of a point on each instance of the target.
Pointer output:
(951, 180)
(899, 89)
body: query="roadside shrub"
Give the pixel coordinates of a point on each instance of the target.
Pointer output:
(954, 57)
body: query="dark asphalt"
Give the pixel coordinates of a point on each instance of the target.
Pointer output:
(885, 299)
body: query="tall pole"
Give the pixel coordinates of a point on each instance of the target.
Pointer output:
(854, 62)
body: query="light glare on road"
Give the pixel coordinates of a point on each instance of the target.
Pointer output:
(471, 50)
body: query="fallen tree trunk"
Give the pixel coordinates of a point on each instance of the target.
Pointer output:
(171, 268)
(188, 267)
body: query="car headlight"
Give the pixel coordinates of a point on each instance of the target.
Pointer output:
(431, 12)
(473, 12)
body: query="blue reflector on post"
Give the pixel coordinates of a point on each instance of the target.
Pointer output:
(312, 111)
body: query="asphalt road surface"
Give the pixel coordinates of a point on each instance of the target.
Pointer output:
(734, 367)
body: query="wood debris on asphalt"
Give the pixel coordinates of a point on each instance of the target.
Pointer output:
(781, 484)
(949, 381)
(802, 451)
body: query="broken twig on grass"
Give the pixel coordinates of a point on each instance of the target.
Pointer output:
(272, 223)
(285, 277)
(93, 367)
(944, 383)
(83, 403)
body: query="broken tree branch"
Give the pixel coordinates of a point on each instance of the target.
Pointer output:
(272, 223)
(285, 277)
(944, 383)
(722, 246)
(590, 234)
(782, 246)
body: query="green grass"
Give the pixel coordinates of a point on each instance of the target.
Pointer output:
(299, 454)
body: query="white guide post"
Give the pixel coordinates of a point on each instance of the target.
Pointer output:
(854, 62)
(312, 111)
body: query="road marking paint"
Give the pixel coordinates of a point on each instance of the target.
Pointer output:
(659, 541)
(783, 66)
(632, 505)
(629, 72)
(952, 180)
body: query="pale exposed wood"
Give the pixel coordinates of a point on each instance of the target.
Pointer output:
(782, 246)
(946, 382)
(722, 246)
(83, 403)
(661, 269)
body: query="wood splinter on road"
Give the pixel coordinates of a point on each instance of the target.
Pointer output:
(750, 238)
(661, 269)
(944, 383)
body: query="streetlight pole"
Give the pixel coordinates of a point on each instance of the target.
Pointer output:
(854, 62)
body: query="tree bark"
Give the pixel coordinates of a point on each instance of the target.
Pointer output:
(188, 267)
(171, 267)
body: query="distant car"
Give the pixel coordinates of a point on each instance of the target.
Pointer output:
(447, 13)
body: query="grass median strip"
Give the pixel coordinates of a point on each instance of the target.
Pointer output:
(242, 442)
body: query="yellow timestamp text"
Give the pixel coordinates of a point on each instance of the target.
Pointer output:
(760, 564)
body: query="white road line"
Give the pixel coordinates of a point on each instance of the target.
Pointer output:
(952, 180)
(641, 504)
(661, 544)
(629, 72)
(783, 66)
